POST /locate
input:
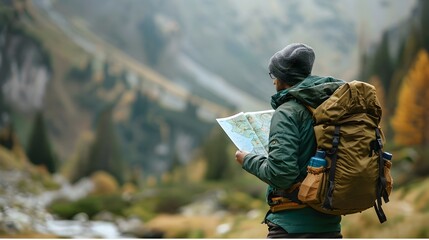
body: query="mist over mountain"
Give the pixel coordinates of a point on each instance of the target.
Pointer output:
(170, 67)
(214, 46)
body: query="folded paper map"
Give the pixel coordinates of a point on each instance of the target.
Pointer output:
(249, 131)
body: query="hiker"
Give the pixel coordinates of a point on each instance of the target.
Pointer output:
(291, 145)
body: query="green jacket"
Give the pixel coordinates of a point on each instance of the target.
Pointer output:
(291, 145)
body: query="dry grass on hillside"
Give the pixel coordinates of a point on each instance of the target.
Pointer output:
(238, 226)
(407, 216)
(177, 226)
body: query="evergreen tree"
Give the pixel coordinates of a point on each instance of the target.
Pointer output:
(153, 40)
(104, 153)
(219, 159)
(88, 71)
(382, 62)
(407, 53)
(39, 149)
(109, 80)
(7, 136)
(140, 106)
(424, 6)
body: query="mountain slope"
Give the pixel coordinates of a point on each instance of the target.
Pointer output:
(232, 40)
(186, 63)
(156, 120)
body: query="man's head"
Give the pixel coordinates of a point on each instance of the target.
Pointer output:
(292, 64)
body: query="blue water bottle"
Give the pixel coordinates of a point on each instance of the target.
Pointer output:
(318, 160)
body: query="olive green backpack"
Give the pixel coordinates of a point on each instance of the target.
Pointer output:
(356, 178)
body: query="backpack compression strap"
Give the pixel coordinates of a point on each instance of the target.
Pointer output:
(333, 155)
(381, 182)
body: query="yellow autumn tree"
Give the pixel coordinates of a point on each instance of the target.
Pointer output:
(410, 122)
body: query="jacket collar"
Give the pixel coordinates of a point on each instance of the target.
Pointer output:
(312, 91)
(280, 97)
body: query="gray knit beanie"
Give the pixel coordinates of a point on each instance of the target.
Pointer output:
(293, 63)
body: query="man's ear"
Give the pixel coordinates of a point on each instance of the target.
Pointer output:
(282, 84)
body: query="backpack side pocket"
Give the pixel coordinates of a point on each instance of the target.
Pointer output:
(388, 176)
(311, 188)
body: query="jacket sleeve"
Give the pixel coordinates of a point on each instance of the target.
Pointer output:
(280, 169)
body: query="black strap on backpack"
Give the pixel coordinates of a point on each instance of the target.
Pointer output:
(381, 181)
(291, 193)
(333, 155)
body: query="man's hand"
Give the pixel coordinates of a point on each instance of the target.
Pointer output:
(239, 156)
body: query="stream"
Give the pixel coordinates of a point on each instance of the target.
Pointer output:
(23, 211)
